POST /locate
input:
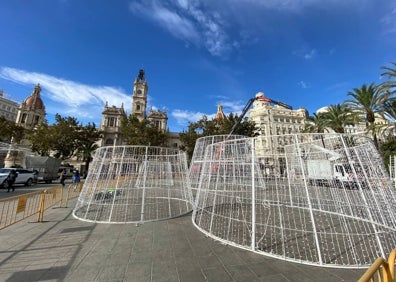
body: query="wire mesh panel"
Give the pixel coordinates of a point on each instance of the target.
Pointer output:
(317, 199)
(135, 184)
(198, 156)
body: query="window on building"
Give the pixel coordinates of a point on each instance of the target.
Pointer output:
(109, 141)
(23, 119)
(111, 121)
(36, 119)
(137, 107)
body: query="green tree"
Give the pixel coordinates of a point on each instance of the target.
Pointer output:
(42, 139)
(387, 149)
(9, 130)
(315, 124)
(188, 139)
(390, 73)
(61, 137)
(337, 117)
(135, 132)
(65, 133)
(389, 129)
(207, 127)
(86, 143)
(368, 102)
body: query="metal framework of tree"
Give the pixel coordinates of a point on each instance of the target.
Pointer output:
(199, 155)
(319, 199)
(135, 184)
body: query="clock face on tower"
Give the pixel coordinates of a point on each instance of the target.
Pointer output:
(139, 92)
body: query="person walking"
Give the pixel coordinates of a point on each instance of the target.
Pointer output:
(76, 176)
(11, 180)
(63, 177)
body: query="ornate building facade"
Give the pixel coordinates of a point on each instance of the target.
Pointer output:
(32, 110)
(112, 115)
(275, 120)
(30, 113)
(8, 108)
(111, 125)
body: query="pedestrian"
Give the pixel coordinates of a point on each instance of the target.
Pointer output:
(11, 180)
(63, 177)
(76, 176)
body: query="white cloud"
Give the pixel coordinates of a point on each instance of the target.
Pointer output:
(293, 5)
(303, 84)
(223, 26)
(69, 97)
(187, 21)
(389, 21)
(235, 107)
(183, 117)
(311, 54)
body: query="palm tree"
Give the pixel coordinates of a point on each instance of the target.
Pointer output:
(389, 129)
(85, 152)
(315, 124)
(368, 102)
(390, 73)
(337, 117)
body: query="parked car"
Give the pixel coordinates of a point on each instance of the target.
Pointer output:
(24, 176)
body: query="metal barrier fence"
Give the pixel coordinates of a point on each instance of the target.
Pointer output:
(381, 270)
(17, 208)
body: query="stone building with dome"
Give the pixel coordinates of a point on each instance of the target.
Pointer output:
(32, 110)
(30, 113)
(220, 114)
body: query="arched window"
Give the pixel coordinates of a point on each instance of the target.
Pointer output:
(111, 121)
(23, 119)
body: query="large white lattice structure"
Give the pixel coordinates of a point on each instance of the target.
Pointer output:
(135, 184)
(317, 199)
(198, 156)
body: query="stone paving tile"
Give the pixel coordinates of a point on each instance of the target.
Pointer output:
(241, 273)
(217, 274)
(65, 249)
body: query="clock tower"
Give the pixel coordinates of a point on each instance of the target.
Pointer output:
(139, 96)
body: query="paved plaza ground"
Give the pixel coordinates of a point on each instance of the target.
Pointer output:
(66, 249)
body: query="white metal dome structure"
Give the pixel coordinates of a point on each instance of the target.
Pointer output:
(198, 156)
(319, 199)
(135, 184)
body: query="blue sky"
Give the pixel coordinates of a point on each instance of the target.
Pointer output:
(196, 54)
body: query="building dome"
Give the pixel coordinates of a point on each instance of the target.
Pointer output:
(259, 94)
(220, 114)
(34, 101)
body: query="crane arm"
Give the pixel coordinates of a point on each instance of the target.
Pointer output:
(244, 111)
(250, 102)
